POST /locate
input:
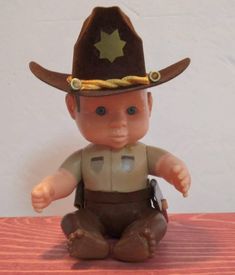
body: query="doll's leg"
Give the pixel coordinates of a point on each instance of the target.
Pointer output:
(85, 235)
(139, 240)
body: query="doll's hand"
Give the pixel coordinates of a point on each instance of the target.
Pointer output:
(180, 178)
(42, 196)
(175, 172)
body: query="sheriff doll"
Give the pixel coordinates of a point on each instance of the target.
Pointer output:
(108, 99)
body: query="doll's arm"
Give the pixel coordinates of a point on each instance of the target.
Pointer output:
(163, 164)
(54, 187)
(58, 185)
(175, 172)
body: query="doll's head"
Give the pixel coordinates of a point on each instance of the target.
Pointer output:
(114, 120)
(109, 78)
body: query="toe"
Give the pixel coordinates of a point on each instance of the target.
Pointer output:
(146, 232)
(78, 233)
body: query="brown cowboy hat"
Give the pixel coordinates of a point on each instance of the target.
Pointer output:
(108, 59)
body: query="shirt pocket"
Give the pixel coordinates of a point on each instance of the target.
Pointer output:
(97, 164)
(128, 163)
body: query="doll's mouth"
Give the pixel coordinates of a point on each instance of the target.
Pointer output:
(119, 132)
(118, 137)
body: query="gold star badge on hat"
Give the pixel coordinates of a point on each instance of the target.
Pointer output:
(110, 46)
(108, 59)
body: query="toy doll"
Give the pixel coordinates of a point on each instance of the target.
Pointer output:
(108, 99)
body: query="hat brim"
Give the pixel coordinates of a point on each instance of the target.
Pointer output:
(59, 80)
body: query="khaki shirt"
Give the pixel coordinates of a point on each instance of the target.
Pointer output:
(109, 170)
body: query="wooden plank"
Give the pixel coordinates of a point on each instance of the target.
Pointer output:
(194, 244)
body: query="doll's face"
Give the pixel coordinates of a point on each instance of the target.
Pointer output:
(115, 120)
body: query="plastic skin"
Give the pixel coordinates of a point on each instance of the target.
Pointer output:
(116, 129)
(121, 120)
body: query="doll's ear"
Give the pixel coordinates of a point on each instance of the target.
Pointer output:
(71, 104)
(150, 102)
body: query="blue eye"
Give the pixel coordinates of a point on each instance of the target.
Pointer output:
(131, 110)
(100, 110)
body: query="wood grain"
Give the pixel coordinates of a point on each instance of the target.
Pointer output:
(194, 244)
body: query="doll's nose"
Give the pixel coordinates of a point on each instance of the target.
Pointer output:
(118, 120)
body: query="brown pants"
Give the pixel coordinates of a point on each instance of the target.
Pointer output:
(116, 215)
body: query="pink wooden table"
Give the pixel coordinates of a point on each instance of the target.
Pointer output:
(194, 244)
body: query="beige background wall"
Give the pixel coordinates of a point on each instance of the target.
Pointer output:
(193, 115)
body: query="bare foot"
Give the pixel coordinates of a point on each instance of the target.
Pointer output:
(136, 247)
(85, 245)
(151, 241)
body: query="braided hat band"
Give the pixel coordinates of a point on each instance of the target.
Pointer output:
(98, 84)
